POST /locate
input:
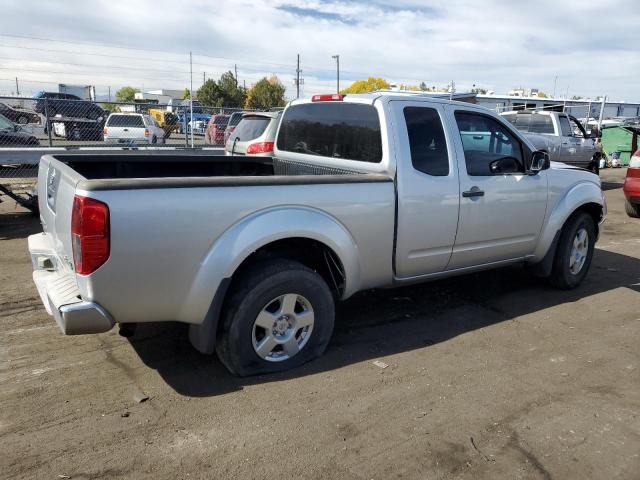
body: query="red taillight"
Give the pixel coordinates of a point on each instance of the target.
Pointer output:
(89, 234)
(328, 97)
(231, 129)
(260, 147)
(105, 131)
(146, 132)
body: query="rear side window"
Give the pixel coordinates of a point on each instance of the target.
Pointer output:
(221, 120)
(250, 128)
(427, 141)
(565, 127)
(235, 119)
(125, 121)
(332, 129)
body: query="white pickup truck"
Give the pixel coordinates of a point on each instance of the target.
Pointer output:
(364, 191)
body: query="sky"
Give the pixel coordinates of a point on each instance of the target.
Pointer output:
(585, 48)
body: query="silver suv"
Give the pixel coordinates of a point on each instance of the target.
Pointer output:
(254, 135)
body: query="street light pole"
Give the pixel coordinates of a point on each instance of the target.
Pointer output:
(337, 57)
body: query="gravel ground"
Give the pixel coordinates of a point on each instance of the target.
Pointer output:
(492, 375)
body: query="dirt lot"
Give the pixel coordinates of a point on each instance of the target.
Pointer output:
(493, 375)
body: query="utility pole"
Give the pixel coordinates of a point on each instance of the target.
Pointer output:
(555, 84)
(235, 68)
(298, 78)
(204, 79)
(17, 88)
(337, 58)
(109, 93)
(191, 95)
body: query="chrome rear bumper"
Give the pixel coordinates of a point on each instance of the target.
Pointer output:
(60, 294)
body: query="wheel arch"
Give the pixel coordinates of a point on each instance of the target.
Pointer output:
(304, 234)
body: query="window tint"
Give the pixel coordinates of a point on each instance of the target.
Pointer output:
(426, 140)
(489, 148)
(125, 121)
(235, 119)
(332, 129)
(565, 127)
(5, 123)
(250, 128)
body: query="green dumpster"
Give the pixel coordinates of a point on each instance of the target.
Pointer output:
(620, 139)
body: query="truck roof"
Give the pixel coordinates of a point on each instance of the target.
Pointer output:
(370, 98)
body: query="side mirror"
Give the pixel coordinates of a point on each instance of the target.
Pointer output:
(539, 161)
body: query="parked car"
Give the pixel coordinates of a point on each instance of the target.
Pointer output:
(234, 120)
(167, 120)
(19, 115)
(631, 187)
(560, 135)
(12, 135)
(78, 128)
(132, 128)
(254, 135)
(198, 126)
(364, 191)
(214, 134)
(66, 105)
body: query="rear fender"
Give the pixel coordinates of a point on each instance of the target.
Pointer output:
(257, 230)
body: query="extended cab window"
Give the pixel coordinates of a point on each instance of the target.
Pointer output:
(427, 141)
(489, 148)
(531, 122)
(349, 131)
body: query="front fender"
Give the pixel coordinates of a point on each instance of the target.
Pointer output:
(257, 230)
(579, 194)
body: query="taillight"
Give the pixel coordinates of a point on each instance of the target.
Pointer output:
(89, 234)
(231, 129)
(328, 97)
(105, 131)
(635, 160)
(260, 147)
(146, 132)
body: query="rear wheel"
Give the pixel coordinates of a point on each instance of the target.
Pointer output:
(279, 316)
(154, 139)
(574, 252)
(632, 210)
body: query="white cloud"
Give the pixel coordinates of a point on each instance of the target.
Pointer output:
(496, 44)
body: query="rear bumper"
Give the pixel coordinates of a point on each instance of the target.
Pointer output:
(631, 187)
(60, 294)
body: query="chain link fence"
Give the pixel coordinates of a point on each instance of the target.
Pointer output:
(54, 121)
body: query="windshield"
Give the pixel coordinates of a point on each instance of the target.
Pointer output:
(5, 123)
(250, 128)
(125, 121)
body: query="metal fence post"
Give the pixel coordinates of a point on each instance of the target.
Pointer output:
(47, 121)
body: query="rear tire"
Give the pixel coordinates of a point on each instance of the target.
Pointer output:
(154, 139)
(632, 210)
(292, 335)
(574, 252)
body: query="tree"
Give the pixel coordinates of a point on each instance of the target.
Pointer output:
(126, 94)
(371, 84)
(186, 95)
(479, 91)
(209, 94)
(230, 94)
(267, 93)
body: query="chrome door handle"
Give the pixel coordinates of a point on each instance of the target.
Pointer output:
(474, 192)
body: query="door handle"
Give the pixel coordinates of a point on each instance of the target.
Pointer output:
(474, 192)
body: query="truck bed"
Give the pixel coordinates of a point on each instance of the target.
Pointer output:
(134, 171)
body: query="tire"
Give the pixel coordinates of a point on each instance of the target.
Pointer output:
(259, 294)
(154, 139)
(565, 273)
(595, 166)
(22, 120)
(632, 210)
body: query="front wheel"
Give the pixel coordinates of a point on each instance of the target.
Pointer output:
(279, 316)
(574, 252)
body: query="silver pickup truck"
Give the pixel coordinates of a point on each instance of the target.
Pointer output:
(364, 191)
(559, 134)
